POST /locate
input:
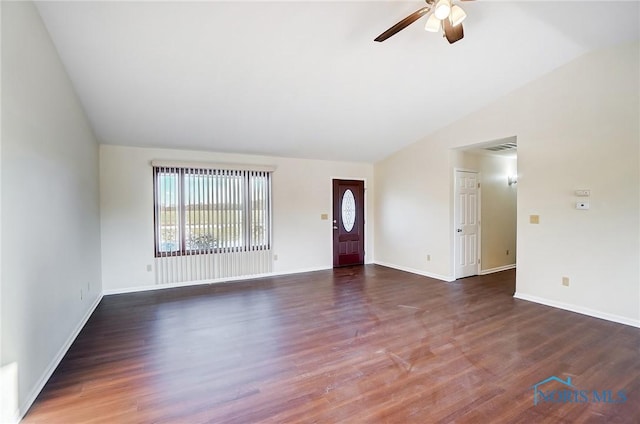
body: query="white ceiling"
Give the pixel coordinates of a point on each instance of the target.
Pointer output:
(305, 79)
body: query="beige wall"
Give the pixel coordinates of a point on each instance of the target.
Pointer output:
(498, 212)
(576, 127)
(50, 209)
(301, 193)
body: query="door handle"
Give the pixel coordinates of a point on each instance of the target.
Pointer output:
(459, 230)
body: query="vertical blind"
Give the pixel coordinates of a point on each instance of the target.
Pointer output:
(211, 223)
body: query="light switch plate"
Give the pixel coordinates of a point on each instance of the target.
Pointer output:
(534, 219)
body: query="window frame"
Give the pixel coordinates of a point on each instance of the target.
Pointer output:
(248, 243)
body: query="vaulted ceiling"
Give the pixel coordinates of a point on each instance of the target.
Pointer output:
(304, 78)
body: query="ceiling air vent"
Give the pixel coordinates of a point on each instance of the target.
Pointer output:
(501, 147)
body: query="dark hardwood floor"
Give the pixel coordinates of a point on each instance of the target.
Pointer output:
(353, 345)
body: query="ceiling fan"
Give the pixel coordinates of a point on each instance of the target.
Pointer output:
(446, 15)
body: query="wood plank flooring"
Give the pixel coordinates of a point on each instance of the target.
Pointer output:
(352, 345)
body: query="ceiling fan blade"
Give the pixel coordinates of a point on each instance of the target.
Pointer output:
(403, 24)
(452, 33)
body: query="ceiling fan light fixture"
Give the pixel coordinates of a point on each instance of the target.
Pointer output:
(443, 9)
(457, 15)
(433, 24)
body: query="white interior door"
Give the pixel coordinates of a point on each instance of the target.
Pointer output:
(466, 224)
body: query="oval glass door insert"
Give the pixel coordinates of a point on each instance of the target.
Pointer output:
(348, 210)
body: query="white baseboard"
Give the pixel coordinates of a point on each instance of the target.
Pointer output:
(299, 271)
(135, 289)
(33, 394)
(446, 278)
(497, 269)
(578, 309)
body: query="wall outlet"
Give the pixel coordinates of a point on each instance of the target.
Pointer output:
(149, 268)
(275, 256)
(428, 258)
(324, 216)
(583, 193)
(534, 219)
(565, 281)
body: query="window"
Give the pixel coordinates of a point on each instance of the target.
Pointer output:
(200, 211)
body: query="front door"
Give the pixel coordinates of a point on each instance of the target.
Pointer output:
(466, 224)
(348, 222)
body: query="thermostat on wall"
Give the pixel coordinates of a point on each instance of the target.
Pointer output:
(582, 205)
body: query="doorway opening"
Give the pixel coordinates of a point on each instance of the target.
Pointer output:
(485, 207)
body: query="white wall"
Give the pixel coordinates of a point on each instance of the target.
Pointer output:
(577, 127)
(412, 210)
(301, 193)
(50, 205)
